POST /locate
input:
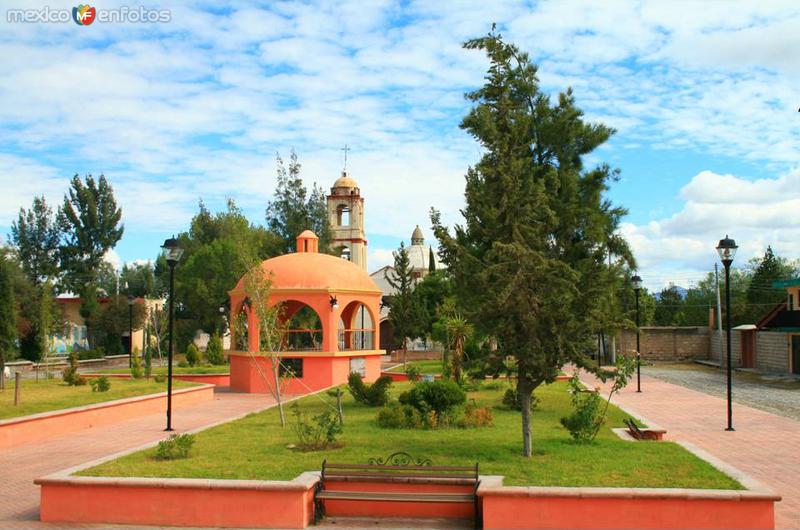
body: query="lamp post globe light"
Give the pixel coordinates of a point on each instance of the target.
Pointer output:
(726, 248)
(172, 253)
(636, 281)
(130, 331)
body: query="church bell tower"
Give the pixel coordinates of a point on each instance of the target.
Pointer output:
(346, 218)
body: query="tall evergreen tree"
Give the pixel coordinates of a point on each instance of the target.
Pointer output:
(760, 293)
(293, 209)
(35, 237)
(431, 261)
(669, 307)
(89, 220)
(406, 312)
(8, 316)
(529, 263)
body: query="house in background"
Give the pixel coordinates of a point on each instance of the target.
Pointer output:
(782, 326)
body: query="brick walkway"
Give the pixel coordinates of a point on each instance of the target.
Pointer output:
(19, 497)
(764, 445)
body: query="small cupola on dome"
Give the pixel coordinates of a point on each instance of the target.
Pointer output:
(307, 241)
(416, 237)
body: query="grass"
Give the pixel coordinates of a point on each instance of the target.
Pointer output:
(425, 367)
(178, 370)
(254, 447)
(53, 394)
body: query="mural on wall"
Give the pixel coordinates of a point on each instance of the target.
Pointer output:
(73, 339)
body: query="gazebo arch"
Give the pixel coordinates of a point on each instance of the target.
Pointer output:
(356, 327)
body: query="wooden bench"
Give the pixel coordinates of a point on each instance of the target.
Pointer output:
(643, 434)
(397, 467)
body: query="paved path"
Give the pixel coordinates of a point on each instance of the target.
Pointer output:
(19, 497)
(765, 446)
(769, 393)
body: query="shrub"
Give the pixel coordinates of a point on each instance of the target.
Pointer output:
(214, 350)
(94, 353)
(158, 378)
(70, 373)
(100, 384)
(582, 423)
(395, 416)
(192, 355)
(148, 361)
(475, 417)
(511, 400)
(175, 447)
(183, 364)
(317, 434)
(137, 371)
(413, 373)
(374, 395)
(438, 397)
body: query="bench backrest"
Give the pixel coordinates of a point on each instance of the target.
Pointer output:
(404, 467)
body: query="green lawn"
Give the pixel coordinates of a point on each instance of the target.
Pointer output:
(185, 370)
(425, 367)
(255, 448)
(54, 394)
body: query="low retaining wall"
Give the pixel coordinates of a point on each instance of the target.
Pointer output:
(57, 364)
(208, 379)
(413, 355)
(25, 429)
(178, 502)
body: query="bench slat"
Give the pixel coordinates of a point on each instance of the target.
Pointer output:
(400, 468)
(396, 497)
(329, 475)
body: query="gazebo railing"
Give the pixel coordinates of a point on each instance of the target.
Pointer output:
(356, 339)
(303, 340)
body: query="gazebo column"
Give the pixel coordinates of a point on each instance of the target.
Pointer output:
(252, 331)
(330, 328)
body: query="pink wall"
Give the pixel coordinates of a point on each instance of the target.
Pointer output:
(17, 431)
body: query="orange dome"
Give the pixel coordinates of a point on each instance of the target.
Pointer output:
(310, 270)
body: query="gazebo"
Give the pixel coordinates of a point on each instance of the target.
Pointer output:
(330, 310)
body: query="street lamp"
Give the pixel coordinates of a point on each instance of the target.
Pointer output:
(727, 250)
(172, 252)
(130, 331)
(637, 287)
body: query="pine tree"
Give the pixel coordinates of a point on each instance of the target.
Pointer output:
(90, 222)
(406, 312)
(35, 237)
(8, 317)
(760, 293)
(529, 264)
(431, 261)
(293, 209)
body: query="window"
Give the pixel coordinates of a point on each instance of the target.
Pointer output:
(343, 216)
(292, 367)
(359, 366)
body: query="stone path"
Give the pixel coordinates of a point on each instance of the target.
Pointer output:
(762, 392)
(765, 446)
(19, 497)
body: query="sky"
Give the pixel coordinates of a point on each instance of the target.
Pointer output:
(703, 95)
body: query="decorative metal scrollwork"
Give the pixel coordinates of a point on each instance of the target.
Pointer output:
(400, 458)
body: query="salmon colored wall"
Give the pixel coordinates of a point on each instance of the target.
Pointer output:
(177, 506)
(510, 512)
(399, 509)
(209, 379)
(17, 431)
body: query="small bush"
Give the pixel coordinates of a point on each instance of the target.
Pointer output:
(374, 395)
(158, 378)
(582, 424)
(214, 350)
(175, 447)
(436, 397)
(192, 355)
(94, 353)
(100, 384)
(413, 373)
(183, 364)
(148, 361)
(137, 370)
(70, 373)
(319, 433)
(395, 416)
(475, 417)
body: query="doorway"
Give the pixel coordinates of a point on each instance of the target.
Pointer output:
(748, 349)
(796, 354)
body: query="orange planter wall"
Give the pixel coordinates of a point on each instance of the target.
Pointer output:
(17, 431)
(177, 503)
(209, 379)
(626, 512)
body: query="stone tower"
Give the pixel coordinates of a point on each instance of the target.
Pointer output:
(346, 217)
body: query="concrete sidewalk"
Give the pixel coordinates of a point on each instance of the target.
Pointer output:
(19, 497)
(764, 445)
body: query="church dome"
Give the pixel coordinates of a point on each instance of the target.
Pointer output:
(309, 270)
(345, 181)
(416, 236)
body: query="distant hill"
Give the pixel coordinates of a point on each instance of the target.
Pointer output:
(682, 291)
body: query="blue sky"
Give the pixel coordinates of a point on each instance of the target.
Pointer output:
(703, 96)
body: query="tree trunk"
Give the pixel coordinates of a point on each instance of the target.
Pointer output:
(524, 395)
(2, 372)
(276, 374)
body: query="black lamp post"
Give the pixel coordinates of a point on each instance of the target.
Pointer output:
(727, 250)
(637, 287)
(172, 252)
(130, 331)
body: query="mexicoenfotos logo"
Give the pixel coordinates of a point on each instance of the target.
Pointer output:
(83, 15)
